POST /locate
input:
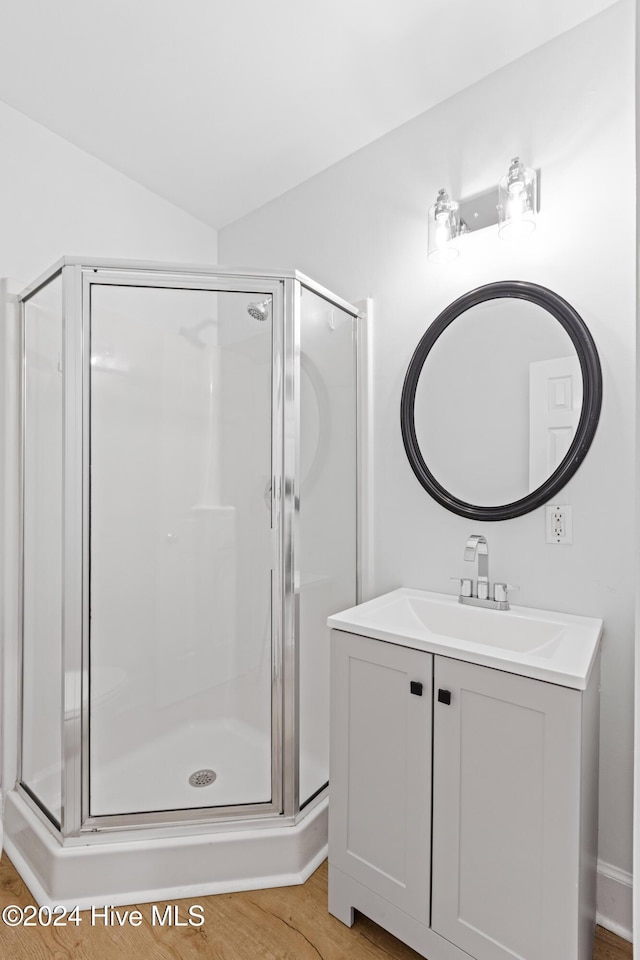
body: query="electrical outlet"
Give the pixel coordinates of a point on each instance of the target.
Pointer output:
(559, 524)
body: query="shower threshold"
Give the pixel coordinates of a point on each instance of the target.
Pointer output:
(162, 868)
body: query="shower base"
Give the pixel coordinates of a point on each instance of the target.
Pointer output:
(155, 775)
(112, 873)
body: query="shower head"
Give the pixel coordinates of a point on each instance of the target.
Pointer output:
(259, 310)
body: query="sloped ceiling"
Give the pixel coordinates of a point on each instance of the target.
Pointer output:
(221, 106)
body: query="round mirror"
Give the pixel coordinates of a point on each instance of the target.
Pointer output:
(501, 400)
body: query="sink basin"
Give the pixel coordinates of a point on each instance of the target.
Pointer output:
(557, 647)
(437, 615)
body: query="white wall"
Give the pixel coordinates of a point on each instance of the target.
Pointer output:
(360, 228)
(56, 199)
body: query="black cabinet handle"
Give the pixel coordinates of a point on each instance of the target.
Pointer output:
(416, 688)
(444, 696)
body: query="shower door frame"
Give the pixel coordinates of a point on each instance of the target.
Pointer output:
(285, 286)
(214, 284)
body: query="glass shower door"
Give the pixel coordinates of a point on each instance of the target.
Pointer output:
(180, 592)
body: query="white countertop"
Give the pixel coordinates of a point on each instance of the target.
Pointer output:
(556, 647)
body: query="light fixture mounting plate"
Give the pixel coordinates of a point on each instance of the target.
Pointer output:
(481, 209)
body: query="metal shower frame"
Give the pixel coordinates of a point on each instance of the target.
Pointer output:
(78, 276)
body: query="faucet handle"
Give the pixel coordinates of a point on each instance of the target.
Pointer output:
(500, 591)
(483, 588)
(465, 584)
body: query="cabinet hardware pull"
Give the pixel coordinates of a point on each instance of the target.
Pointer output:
(416, 688)
(444, 696)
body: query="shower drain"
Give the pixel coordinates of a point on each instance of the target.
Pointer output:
(202, 778)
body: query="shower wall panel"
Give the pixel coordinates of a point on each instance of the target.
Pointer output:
(246, 434)
(42, 547)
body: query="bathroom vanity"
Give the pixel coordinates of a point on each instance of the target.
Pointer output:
(464, 776)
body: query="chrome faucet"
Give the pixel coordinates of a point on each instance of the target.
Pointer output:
(477, 547)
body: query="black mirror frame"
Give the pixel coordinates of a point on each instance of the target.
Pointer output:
(591, 398)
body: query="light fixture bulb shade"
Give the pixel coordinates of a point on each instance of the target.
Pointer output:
(517, 201)
(444, 229)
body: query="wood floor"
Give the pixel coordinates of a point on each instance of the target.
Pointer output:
(287, 923)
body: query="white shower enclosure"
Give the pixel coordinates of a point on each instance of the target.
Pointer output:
(189, 520)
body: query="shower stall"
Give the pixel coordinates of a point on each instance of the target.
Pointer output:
(188, 521)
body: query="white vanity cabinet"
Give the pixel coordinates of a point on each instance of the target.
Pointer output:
(511, 764)
(380, 770)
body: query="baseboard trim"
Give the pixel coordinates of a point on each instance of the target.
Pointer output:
(614, 901)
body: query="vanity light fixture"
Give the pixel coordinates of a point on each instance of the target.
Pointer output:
(445, 227)
(512, 206)
(517, 201)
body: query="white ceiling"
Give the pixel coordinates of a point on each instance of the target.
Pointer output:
(221, 105)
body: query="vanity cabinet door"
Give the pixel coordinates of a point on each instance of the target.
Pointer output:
(380, 768)
(506, 813)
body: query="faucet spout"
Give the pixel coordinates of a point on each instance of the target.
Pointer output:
(477, 546)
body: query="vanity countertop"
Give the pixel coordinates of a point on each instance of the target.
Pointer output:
(559, 648)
